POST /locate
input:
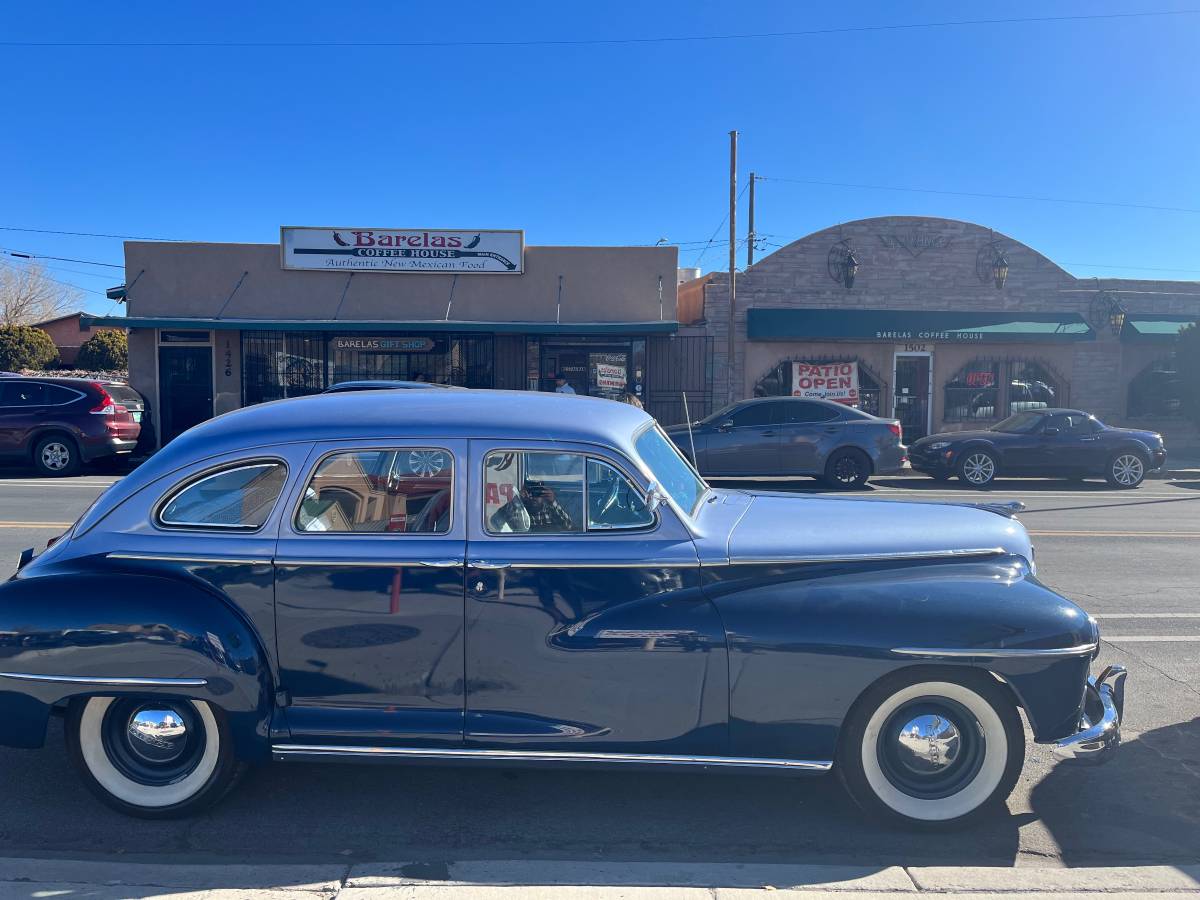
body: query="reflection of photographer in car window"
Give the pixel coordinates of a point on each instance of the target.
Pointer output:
(534, 509)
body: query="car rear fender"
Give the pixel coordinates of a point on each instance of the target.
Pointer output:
(77, 634)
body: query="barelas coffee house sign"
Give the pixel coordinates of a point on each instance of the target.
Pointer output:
(440, 252)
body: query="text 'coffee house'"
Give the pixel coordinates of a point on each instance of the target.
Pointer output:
(217, 326)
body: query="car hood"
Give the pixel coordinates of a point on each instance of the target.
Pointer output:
(956, 436)
(1150, 437)
(777, 526)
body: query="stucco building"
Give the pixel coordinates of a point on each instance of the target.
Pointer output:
(949, 325)
(213, 327)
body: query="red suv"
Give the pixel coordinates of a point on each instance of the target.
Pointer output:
(58, 424)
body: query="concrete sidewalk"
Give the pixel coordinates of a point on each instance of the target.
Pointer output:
(25, 879)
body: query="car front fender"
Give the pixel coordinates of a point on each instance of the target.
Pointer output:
(77, 634)
(806, 640)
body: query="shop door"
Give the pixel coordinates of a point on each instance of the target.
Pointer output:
(573, 365)
(911, 394)
(185, 388)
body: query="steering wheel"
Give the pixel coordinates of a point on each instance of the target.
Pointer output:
(613, 499)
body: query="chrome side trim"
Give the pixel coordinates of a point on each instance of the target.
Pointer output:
(860, 557)
(114, 682)
(299, 751)
(181, 558)
(581, 564)
(362, 563)
(996, 652)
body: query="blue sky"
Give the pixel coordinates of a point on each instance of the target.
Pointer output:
(613, 144)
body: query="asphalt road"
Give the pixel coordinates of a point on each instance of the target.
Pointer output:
(1129, 557)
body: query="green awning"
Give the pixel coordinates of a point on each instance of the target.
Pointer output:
(913, 325)
(343, 326)
(1154, 328)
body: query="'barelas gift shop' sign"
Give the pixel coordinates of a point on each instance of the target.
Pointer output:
(470, 252)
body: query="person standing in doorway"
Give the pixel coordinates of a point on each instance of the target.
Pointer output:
(561, 386)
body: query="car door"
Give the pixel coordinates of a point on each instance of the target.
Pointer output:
(808, 432)
(587, 631)
(1072, 445)
(20, 404)
(1022, 454)
(369, 594)
(746, 442)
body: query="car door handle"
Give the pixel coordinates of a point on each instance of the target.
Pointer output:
(490, 565)
(441, 563)
(768, 433)
(1092, 438)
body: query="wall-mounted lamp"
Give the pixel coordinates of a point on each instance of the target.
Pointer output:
(842, 264)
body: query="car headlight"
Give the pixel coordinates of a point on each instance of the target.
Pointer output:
(939, 445)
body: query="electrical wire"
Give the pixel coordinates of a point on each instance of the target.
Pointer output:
(577, 42)
(22, 254)
(125, 237)
(725, 218)
(1027, 197)
(16, 268)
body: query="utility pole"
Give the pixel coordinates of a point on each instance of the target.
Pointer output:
(750, 233)
(733, 136)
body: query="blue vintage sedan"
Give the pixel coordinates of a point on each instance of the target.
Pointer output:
(479, 577)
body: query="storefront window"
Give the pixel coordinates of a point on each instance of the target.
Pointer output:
(991, 389)
(974, 393)
(279, 364)
(1157, 390)
(778, 382)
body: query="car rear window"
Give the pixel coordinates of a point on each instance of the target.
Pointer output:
(238, 497)
(123, 393)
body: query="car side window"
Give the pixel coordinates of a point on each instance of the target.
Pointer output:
(612, 501)
(756, 415)
(390, 491)
(528, 491)
(59, 396)
(800, 412)
(239, 497)
(23, 393)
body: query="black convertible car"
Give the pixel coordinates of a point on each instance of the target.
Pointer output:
(1045, 443)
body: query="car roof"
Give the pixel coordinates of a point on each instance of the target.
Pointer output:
(1055, 411)
(509, 415)
(382, 385)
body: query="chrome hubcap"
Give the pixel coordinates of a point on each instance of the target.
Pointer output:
(1127, 469)
(157, 735)
(55, 456)
(928, 744)
(979, 468)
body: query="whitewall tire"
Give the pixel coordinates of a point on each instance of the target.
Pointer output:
(150, 756)
(932, 746)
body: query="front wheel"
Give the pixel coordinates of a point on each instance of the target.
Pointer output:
(152, 757)
(931, 747)
(977, 468)
(1126, 470)
(56, 456)
(847, 469)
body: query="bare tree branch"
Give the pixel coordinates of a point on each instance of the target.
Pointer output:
(29, 296)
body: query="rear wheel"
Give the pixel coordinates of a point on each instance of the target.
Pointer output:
(847, 469)
(1126, 470)
(56, 455)
(977, 468)
(152, 757)
(931, 747)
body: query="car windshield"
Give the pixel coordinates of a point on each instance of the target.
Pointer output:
(1019, 423)
(721, 415)
(670, 469)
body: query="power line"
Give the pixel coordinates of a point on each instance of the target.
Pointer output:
(125, 237)
(725, 218)
(577, 42)
(87, 262)
(1029, 197)
(16, 268)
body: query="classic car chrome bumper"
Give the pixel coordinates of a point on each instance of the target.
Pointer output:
(1099, 734)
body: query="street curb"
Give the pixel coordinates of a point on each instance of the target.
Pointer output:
(576, 880)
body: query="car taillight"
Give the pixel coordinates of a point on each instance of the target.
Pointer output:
(107, 406)
(894, 428)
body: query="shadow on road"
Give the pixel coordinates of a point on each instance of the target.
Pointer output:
(1147, 797)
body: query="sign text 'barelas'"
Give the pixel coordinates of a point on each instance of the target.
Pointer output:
(471, 252)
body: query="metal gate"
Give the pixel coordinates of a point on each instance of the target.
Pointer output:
(675, 366)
